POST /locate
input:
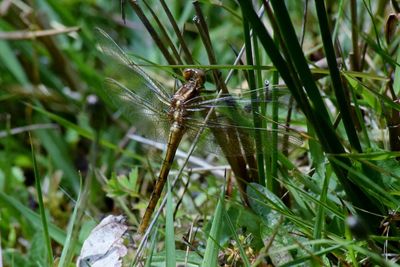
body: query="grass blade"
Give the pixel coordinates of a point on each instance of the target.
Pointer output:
(254, 106)
(314, 109)
(212, 248)
(341, 97)
(243, 255)
(46, 236)
(169, 230)
(68, 249)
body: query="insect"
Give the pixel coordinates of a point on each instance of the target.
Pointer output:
(174, 112)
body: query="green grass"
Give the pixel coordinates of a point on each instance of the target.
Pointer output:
(67, 161)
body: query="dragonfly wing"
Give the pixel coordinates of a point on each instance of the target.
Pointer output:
(235, 119)
(134, 107)
(122, 97)
(241, 100)
(141, 80)
(235, 110)
(296, 137)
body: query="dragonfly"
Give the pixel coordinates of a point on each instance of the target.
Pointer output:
(149, 98)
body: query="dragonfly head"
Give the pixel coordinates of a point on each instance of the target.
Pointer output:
(195, 75)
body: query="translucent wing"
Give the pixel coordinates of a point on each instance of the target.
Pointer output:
(237, 99)
(135, 94)
(245, 125)
(131, 103)
(134, 107)
(234, 111)
(140, 81)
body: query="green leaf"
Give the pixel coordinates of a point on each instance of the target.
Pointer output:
(212, 247)
(43, 217)
(56, 233)
(191, 258)
(70, 244)
(169, 229)
(8, 57)
(396, 83)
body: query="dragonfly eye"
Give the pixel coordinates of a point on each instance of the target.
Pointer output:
(188, 74)
(194, 74)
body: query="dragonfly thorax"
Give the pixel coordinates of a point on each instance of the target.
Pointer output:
(177, 111)
(189, 90)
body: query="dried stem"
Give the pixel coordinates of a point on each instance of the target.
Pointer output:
(164, 34)
(152, 32)
(185, 49)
